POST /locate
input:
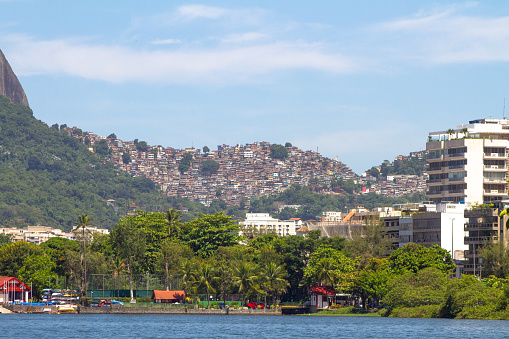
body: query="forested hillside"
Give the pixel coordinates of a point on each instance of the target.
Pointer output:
(49, 178)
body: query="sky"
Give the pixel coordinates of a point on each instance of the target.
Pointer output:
(362, 81)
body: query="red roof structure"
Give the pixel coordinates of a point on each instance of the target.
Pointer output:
(12, 284)
(168, 296)
(323, 290)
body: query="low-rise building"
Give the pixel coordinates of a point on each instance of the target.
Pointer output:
(263, 223)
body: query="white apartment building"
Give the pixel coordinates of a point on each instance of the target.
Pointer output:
(263, 222)
(39, 234)
(469, 164)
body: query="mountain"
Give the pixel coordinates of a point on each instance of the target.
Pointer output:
(9, 84)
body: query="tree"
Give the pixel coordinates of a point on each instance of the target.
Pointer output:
(101, 147)
(186, 272)
(185, 162)
(273, 279)
(172, 253)
(5, 239)
(81, 227)
(206, 149)
(209, 166)
(126, 158)
(13, 255)
(372, 244)
(173, 220)
(329, 267)
(288, 144)
(38, 270)
(374, 172)
(278, 151)
(244, 277)
(424, 287)
(112, 136)
(450, 132)
(372, 281)
(204, 278)
(206, 233)
(129, 244)
(142, 146)
(57, 249)
(413, 257)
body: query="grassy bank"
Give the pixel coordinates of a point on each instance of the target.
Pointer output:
(347, 312)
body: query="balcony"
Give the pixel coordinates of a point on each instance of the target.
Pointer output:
(494, 155)
(495, 192)
(481, 227)
(481, 240)
(434, 181)
(495, 180)
(495, 167)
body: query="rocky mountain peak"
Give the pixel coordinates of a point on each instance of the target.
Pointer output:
(9, 83)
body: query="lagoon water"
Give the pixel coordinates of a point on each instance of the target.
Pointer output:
(216, 326)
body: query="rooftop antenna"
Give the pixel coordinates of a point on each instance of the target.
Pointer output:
(503, 111)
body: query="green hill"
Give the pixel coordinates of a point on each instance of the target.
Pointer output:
(49, 178)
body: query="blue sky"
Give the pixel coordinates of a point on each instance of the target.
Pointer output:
(363, 81)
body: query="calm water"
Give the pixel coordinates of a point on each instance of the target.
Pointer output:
(216, 326)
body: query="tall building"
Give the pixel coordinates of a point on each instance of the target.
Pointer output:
(469, 164)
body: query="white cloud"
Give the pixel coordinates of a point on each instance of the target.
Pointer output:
(445, 36)
(244, 16)
(166, 42)
(191, 12)
(122, 64)
(244, 37)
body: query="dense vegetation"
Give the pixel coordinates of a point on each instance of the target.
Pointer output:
(207, 256)
(407, 166)
(48, 177)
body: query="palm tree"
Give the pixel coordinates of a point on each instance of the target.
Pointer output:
(326, 272)
(464, 131)
(204, 278)
(173, 221)
(273, 277)
(244, 277)
(450, 132)
(81, 225)
(118, 268)
(186, 272)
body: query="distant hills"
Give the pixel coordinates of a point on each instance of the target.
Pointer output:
(49, 176)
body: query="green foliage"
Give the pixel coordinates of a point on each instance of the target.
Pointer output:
(209, 166)
(48, 177)
(126, 158)
(5, 239)
(38, 270)
(467, 293)
(372, 243)
(206, 149)
(185, 162)
(12, 257)
(112, 136)
(414, 257)
(288, 144)
(142, 146)
(205, 234)
(57, 249)
(330, 267)
(101, 148)
(278, 151)
(426, 287)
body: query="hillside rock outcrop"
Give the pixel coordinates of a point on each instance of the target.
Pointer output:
(9, 83)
